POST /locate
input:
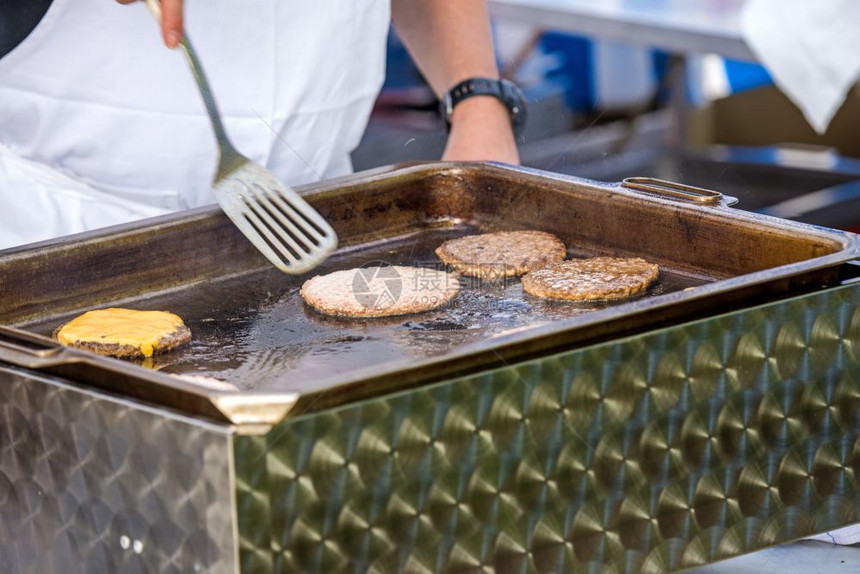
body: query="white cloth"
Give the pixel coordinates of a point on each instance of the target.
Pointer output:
(811, 49)
(845, 535)
(101, 124)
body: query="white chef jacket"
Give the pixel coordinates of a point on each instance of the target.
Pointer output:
(100, 124)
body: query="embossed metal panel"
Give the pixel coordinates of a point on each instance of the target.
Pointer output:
(94, 484)
(654, 453)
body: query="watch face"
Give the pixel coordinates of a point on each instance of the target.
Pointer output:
(516, 103)
(447, 108)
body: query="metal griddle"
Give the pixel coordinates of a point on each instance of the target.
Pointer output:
(256, 332)
(252, 330)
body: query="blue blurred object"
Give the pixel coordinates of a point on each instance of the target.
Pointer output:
(589, 76)
(599, 75)
(400, 72)
(746, 76)
(661, 64)
(575, 72)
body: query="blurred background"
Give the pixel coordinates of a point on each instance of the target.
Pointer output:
(663, 88)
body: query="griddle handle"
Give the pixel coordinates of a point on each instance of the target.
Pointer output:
(677, 191)
(24, 349)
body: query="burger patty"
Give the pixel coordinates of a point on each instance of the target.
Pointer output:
(124, 333)
(598, 278)
(501, 254)
(380, 291)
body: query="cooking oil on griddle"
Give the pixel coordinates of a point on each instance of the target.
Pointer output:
(255, 331)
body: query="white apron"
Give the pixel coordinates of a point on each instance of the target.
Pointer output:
(100, 124)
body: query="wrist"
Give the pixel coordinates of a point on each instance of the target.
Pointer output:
(480, 109)
(481, 131)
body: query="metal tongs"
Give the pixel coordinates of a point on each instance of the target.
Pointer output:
(288, 231)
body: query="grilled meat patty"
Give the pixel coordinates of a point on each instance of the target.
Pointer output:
(501, 254)
(598, 278)
(380, 291)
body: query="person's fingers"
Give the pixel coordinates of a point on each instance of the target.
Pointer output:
(171, 22)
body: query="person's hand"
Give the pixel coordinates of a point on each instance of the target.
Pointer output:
(171, 21)
(481, 131)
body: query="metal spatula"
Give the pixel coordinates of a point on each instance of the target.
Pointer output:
(288, 231)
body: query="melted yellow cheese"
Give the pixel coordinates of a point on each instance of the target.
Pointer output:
(141, 329)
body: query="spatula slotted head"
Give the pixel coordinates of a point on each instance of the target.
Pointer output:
(288, 231)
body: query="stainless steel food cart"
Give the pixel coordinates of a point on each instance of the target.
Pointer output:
(713, 416)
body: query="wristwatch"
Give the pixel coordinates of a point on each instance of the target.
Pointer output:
(505, 91)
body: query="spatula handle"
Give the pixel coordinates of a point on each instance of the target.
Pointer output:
(202, 83)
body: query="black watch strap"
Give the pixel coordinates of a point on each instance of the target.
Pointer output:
(505, 91)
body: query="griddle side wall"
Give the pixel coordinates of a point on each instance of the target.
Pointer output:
(157, 255)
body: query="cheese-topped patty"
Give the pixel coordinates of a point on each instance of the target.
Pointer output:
(124, 333)
(598, 278)
(501, 254)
